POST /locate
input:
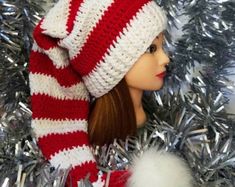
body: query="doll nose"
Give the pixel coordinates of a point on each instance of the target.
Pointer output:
(166, 60)
(163, 58)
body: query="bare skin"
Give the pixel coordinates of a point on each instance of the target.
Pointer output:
(144, 75)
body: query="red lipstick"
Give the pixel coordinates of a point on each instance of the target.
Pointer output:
(161, 75)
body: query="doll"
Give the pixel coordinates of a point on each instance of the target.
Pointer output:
(120, 113)
(87, 49)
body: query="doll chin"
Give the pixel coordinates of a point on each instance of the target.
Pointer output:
(159, 169)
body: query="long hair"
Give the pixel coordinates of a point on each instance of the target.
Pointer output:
(112, 116)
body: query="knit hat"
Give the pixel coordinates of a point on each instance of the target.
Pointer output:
(81, 48)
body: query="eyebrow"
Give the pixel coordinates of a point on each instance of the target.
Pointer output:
(163, 39)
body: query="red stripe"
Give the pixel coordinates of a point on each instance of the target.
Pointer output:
(44, 41)
(41, 63)
(81, 172)
(105, 33)
(74, 5)
(44, 106)
(119, 178)
(54, 143)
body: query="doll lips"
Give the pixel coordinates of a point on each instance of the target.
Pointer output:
(161, 75)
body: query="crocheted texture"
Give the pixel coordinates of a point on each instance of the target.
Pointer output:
(81, 48)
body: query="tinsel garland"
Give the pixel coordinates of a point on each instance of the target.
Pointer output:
(193, 124)
(208, 39)
(21, 162)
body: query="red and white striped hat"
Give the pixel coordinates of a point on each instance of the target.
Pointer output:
(83, 47)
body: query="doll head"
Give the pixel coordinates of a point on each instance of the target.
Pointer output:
(113, 115)
(132, 63)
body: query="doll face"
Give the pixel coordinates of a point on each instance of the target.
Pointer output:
(148, 71)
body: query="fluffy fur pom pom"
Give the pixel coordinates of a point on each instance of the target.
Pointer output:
(159, 169)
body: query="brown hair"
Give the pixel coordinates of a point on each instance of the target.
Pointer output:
(112, 116)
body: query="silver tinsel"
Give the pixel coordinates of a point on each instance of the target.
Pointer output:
(21, 162)
(208, 39)
(193, 124)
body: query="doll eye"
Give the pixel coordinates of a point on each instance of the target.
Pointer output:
(152, 48)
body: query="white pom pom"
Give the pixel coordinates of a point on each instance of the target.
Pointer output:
(159, 169)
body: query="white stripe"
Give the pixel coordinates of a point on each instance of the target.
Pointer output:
(72, 157)
(54, 23)
(89, 14)
(98, 183)
(44, 127)
(36, 48)
(130, 45)
(45, 84)
(58, 55)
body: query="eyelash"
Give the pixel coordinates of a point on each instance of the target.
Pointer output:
(152, 48)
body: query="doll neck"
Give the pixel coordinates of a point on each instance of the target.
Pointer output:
(136, 96)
